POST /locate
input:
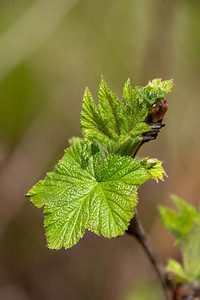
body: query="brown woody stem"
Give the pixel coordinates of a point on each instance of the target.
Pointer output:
(136, 229)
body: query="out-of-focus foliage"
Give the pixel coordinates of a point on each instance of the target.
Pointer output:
(44, 69)
(185, 226)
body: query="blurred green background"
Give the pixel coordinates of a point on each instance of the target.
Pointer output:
(50, 50)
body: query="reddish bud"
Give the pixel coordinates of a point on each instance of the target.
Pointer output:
(158, 111)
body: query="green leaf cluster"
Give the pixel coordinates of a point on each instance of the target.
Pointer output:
(185, 226)
(155, 91)
(119, 124)
(94, 186)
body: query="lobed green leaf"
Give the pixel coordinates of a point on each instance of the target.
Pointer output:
(85, 193)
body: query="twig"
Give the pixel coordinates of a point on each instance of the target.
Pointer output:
(136, 229)
(149, 135)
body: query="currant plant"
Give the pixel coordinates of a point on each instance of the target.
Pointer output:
(94, 186)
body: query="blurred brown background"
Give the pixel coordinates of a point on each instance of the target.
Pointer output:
(50, 50)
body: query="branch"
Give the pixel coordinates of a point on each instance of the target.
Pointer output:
(136, 229)
(149, 135)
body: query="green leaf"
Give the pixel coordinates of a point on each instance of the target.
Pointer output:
(185, 226)
(160, 87)
(187, 211)
(171, 220)
(179, 223)
(176, 271)
(155, 91)
(155, 169)
(190, 246)
(120, 124)
(110, 108)
(92, 122)
(74, 139)
(135, 110)
(84, 193)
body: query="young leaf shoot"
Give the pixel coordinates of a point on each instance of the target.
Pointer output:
(94, 186)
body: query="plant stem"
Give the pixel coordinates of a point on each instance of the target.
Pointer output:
(149, 135)
(136, 229)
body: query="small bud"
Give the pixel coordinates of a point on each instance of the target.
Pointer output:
(158, 111)
(151, 160)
